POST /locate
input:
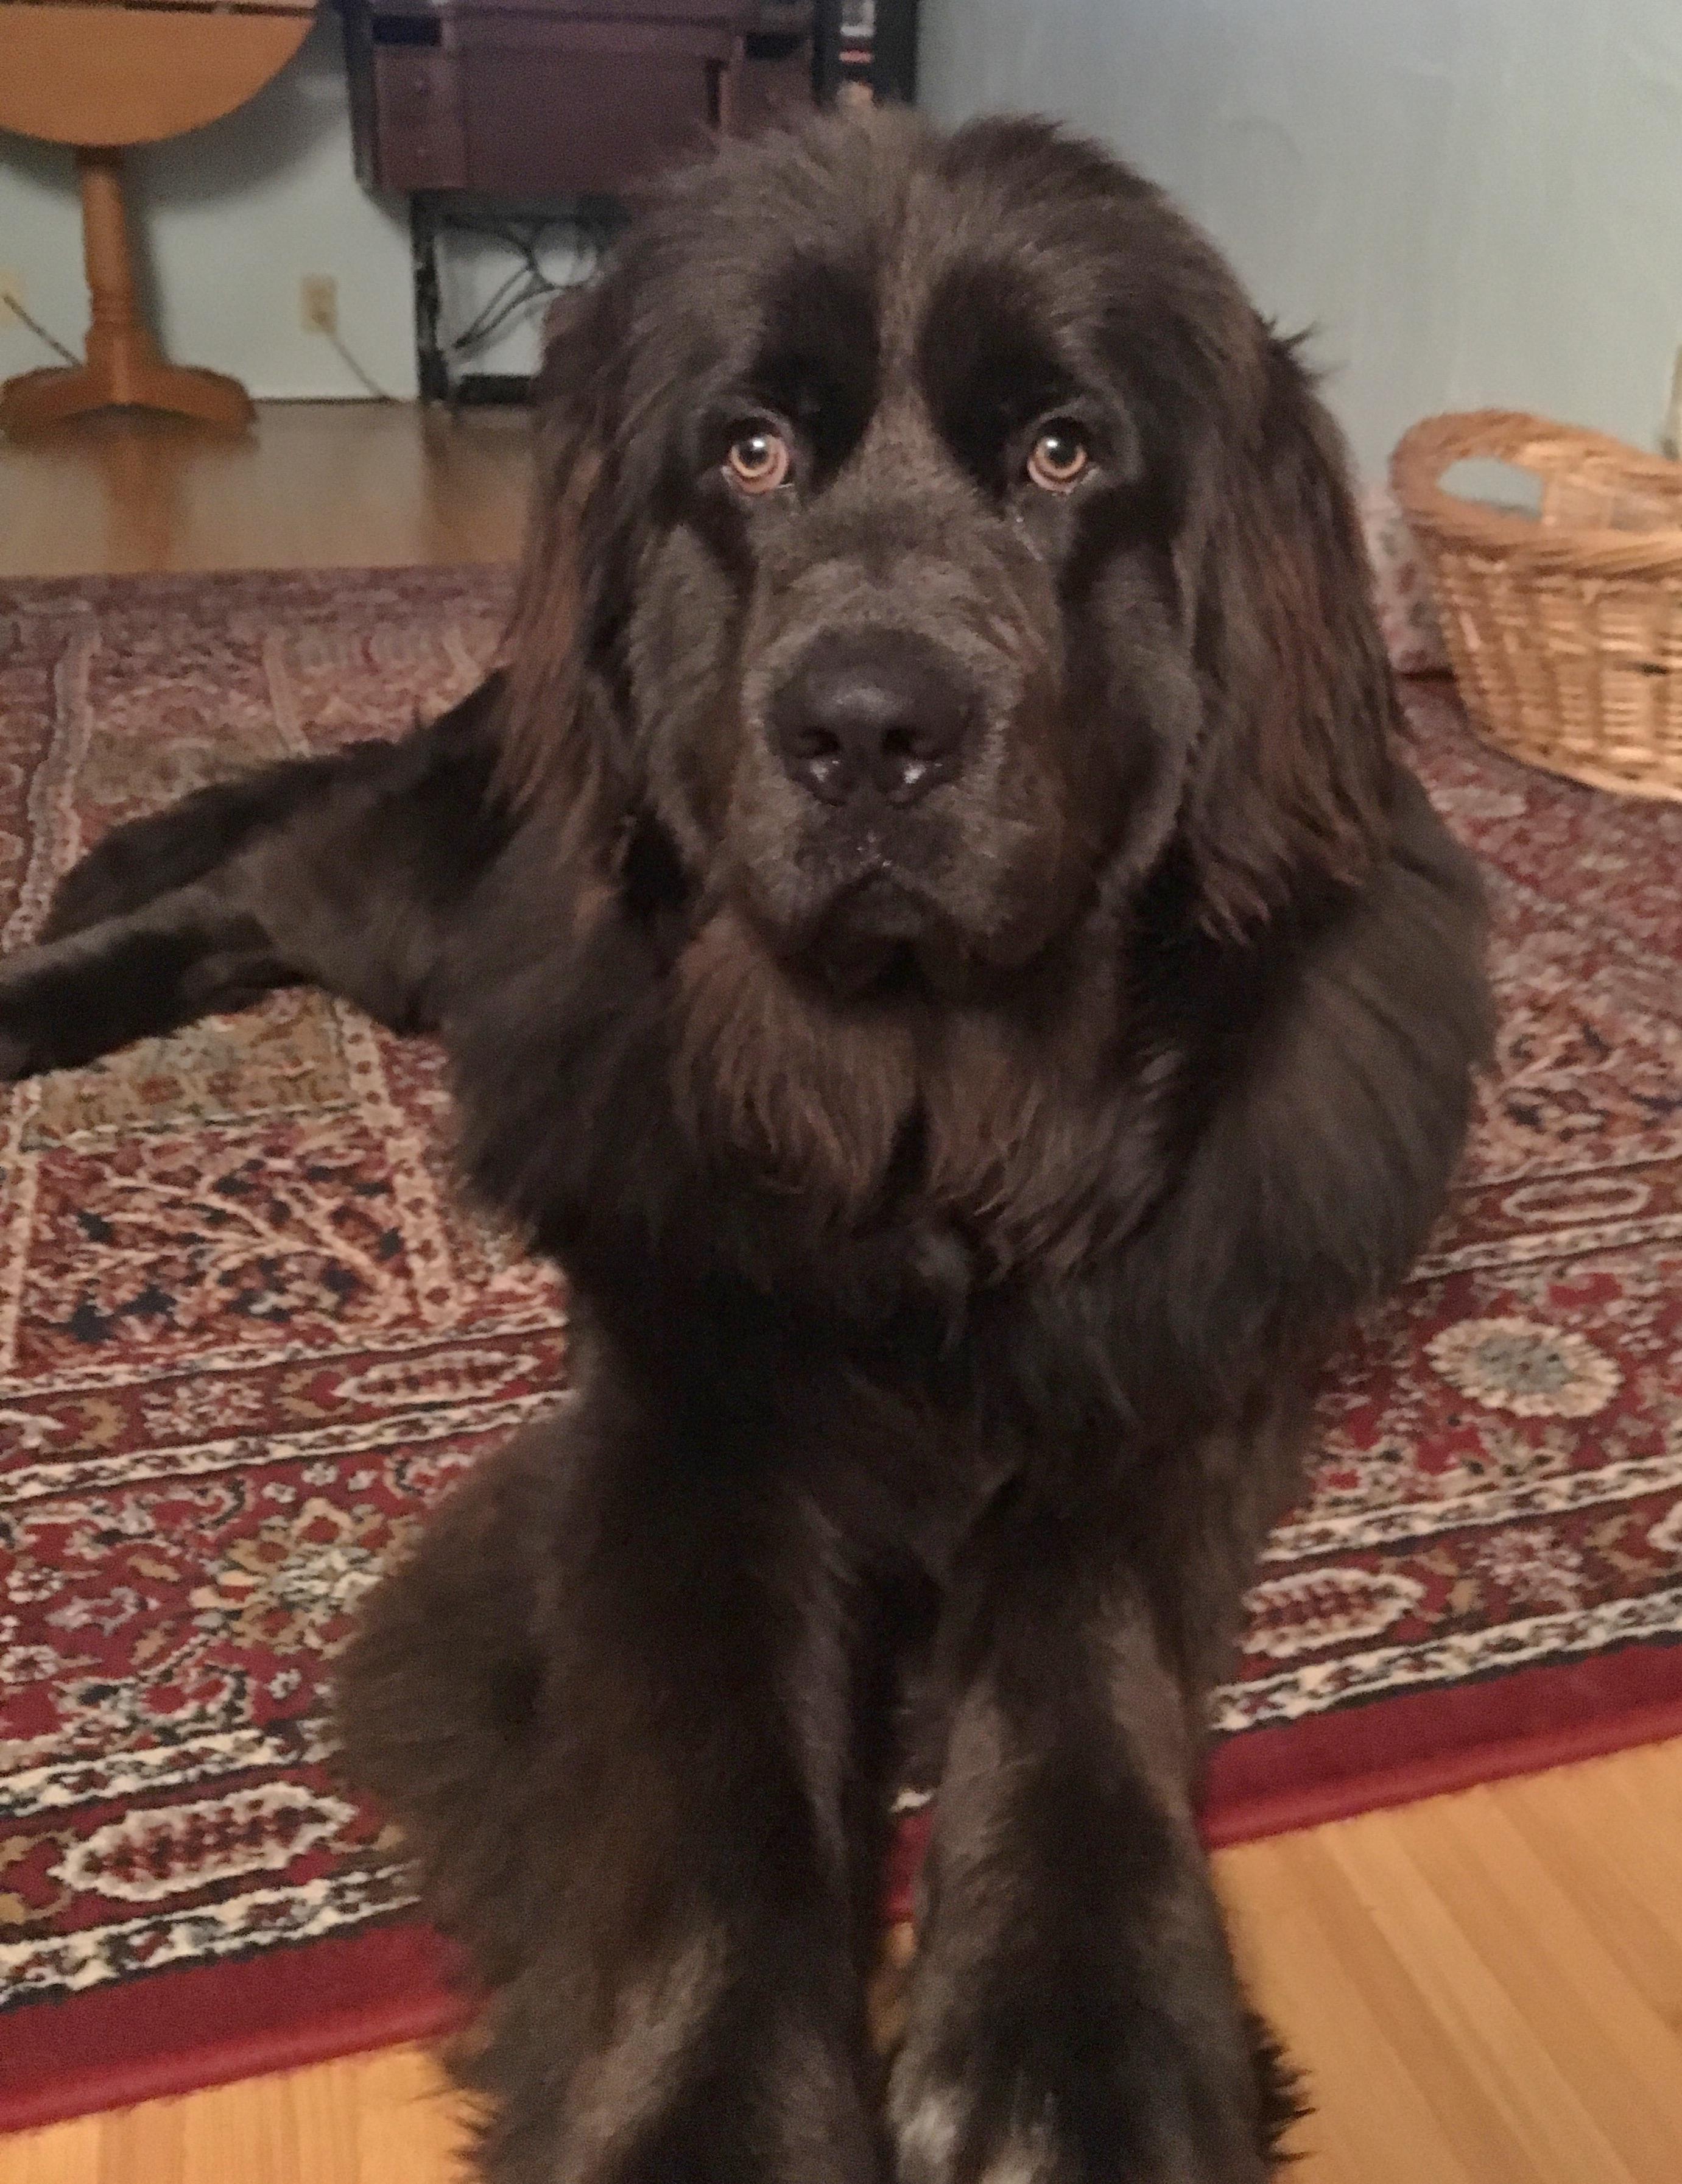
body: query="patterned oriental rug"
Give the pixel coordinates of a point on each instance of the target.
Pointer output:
(248, 1334)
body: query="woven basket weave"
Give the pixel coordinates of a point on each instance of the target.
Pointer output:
(1565, 628)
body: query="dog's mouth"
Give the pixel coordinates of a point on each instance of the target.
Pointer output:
(871, 933)
(881, 907)
(884, 934)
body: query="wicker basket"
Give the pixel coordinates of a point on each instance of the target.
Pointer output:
(1565, 630)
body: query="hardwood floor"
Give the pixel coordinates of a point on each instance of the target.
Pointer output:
(1483, 1989)
(316, 485)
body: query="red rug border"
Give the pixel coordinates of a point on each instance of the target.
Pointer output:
(1439, 1774)
(391, 1978)
(391, 1984)
(1397, 1749)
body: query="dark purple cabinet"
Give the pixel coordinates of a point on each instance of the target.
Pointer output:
(551, 97)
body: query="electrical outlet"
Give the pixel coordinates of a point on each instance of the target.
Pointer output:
(318, 303)
(12, 288)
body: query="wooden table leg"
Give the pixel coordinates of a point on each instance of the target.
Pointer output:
(124, 368)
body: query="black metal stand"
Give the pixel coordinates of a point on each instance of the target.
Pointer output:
(893, 61)
(431, 371)
(826, 51)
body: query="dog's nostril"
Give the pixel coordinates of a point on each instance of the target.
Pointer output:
(881, 712)
(817, 759)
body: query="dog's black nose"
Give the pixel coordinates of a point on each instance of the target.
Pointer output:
(881, 709)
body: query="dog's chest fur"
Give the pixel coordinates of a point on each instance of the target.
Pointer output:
(1030, 1130)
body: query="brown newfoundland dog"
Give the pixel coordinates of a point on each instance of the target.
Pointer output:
(933, 934)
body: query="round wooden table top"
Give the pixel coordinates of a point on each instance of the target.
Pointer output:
(85, 73)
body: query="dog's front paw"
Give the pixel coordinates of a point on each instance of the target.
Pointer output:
(25, 1021)
(1016, 2095)
(64, 1003)
(50, 1012)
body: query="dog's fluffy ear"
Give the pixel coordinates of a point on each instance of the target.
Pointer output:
(1291, 779)
(552, 738)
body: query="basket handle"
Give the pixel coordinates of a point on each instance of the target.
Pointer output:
(1532, 444)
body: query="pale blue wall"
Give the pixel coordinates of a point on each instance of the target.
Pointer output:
(1475, 201)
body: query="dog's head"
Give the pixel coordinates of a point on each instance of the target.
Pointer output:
(929, 535)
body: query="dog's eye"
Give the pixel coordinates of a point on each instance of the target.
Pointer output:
(1060, 459)
(759, 461)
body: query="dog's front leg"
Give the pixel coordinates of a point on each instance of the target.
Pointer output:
(1074, 2017)
(342, 873)
(615, 1702)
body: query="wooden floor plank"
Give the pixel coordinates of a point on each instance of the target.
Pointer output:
(1603, 2039)
(1313, 1895)
(1343, 2029)
(68, 2155)
(1471, 2003)
(1621, 1862)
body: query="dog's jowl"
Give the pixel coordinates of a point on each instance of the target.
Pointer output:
(933, 933)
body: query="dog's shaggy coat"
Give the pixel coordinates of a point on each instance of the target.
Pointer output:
(933, 933)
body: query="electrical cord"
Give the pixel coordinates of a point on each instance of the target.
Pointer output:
(373, 385)
(528, 284)
(40, 332)
(515, 295)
